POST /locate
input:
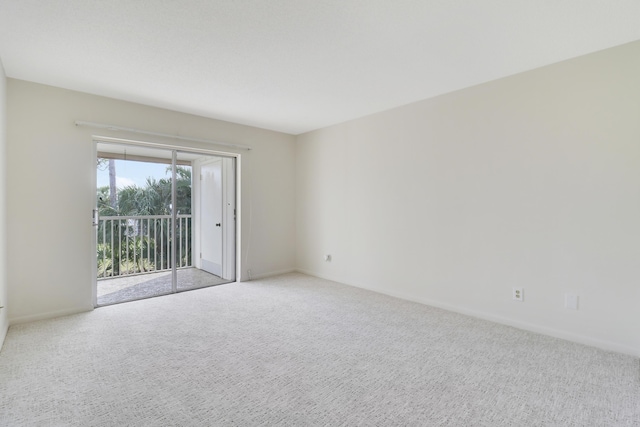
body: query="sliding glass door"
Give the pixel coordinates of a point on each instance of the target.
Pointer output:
(165, 222)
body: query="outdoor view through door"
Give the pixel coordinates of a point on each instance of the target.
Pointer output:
(165, 223)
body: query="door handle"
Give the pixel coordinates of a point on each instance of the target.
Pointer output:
(218, 225)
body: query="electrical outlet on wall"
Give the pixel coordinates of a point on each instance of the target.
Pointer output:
(571, 301)
(518, 294)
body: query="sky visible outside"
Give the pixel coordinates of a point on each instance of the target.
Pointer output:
(132, 173)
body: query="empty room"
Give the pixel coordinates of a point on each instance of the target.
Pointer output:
(319, 213)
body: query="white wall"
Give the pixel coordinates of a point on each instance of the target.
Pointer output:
(530, 181)
(4, 320)
(50, 191)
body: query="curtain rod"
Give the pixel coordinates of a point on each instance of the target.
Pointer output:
(164, 135)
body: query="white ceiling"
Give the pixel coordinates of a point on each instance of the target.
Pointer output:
(296, 65)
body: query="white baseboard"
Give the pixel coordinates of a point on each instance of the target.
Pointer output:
(48, 315)
(531, 327)
(333, 279)
(3, 334)
(272, 273)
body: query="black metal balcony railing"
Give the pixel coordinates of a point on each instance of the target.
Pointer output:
(141, 244)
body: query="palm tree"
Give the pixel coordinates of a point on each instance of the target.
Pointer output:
(131, 250)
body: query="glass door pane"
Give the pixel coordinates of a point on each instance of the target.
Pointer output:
(134, 238)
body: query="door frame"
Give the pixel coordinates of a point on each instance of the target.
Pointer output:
(237, 161)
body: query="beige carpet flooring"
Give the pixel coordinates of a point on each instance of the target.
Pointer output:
(300, 351)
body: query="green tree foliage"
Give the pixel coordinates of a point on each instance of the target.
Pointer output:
(142, 244)
(152, 199)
